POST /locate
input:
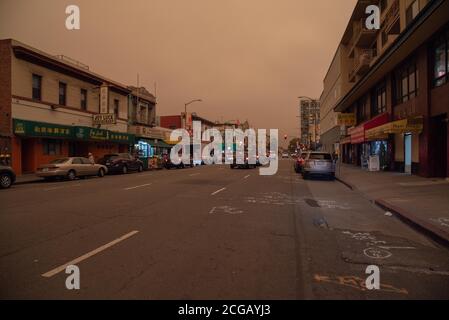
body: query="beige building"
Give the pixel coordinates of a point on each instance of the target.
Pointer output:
(57, 107)
(335, 84)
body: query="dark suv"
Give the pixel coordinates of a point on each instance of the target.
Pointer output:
(121, 163)
(7, 177)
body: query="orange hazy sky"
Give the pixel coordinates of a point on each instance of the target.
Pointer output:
(247, 59)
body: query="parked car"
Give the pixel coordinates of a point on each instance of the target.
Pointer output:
(285, 155)
(246, 164)
(7, 177)
(168, 164)
(299, 162)
(71, 168)
(318, 164)
(121, 163)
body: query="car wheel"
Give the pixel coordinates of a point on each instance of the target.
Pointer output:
(124, 169)
(305, 176)
(140, 168)
(101, 173)
(5, 181)
(71, 175)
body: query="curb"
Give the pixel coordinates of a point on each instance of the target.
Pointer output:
(347, 184)
(422, 225)
(28, 181)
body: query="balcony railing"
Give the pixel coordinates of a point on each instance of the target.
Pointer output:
(391, 18)
(362, 37)
(362, 63)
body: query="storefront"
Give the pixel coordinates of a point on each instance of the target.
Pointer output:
(366, 142)
(37, 143)
(405, 134)
(151, 151)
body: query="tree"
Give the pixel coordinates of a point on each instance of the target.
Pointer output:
(293, 145)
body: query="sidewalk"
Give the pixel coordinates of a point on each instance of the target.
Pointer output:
(27, 178)
(420, 201)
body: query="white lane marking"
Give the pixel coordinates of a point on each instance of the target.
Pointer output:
(141, 186)
(59, 269)
(247, 176)
(194, 174)
(218, 191)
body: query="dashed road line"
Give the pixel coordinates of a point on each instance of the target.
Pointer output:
(218, 191)
(61, 268)
(141, 186)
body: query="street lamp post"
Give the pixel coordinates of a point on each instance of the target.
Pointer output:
(185, 110)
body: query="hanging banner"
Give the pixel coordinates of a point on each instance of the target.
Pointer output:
(104, 99)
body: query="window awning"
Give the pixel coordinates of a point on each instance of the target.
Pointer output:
(414, 125)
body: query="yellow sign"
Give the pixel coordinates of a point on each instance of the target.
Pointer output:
(346, 119)
(414, 125)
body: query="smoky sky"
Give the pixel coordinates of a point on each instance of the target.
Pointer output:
(247, 59)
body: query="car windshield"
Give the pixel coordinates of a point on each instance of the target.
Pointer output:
(320, 156)
(59, 161)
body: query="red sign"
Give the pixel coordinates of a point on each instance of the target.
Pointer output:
(357, 134)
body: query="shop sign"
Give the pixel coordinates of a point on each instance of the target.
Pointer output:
(122, 137)
(91, 133)
(84, 133)
(346, 119)
(104, 118)
(104, 99)
(357, 134)
(41, 129)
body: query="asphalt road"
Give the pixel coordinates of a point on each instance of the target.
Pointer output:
(210, 233)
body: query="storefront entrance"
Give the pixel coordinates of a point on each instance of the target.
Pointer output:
(408, 153)
(27, 155)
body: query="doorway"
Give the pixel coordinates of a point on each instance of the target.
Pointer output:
(408, 153)
(27, 155)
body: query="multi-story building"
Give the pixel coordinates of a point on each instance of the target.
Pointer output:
(52, 107)
(309, 110)
(335, 84)
(400, 91)
(151, 140)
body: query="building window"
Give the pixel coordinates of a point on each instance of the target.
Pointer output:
(116, 107)
(37, 87)
(406, 83)
(83, 99)
(411, 12)
(379, 99)
(362, 112)
(441, 60)
(52, 147)
(62, 93)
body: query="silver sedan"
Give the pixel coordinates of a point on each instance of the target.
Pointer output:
(319, 164)
(71, 168)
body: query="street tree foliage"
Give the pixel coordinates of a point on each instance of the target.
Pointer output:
(292, 146)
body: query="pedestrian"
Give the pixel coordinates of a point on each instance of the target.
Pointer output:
(91, 158)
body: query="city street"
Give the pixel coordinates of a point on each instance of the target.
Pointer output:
(210, 233)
